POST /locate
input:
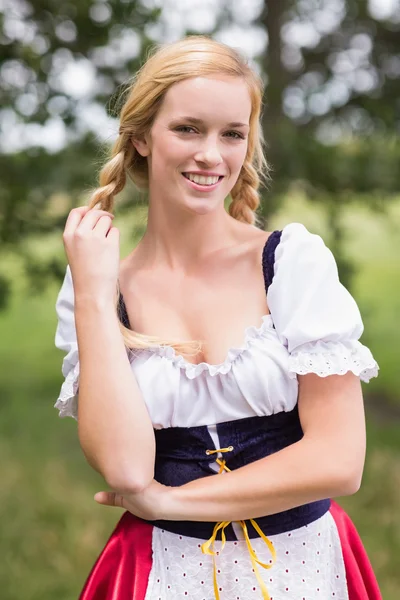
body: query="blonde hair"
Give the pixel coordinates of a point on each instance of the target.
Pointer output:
(193, 56)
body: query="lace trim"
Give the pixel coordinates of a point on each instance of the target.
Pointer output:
(67, 402)
(252, 333)
(334, 358)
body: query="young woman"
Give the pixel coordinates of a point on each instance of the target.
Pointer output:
(220, 365)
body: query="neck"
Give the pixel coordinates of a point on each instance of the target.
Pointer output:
(179, 240)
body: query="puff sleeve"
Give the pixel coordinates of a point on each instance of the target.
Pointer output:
(315, 316)
(66, 340)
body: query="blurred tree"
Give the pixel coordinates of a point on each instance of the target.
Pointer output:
(332, 103)
(60, 62)
(332, 86)
(44, 43)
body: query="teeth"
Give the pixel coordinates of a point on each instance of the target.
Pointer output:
(201, 179)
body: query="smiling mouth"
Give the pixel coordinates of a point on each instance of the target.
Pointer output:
(203, 180)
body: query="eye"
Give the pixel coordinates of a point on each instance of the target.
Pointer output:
(238, 136)
(181, 127)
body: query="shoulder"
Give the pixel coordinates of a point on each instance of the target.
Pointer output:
(300, 246)
(293, 244)
(251, 244)
(302, 263)
(297, 234)
(291, 238)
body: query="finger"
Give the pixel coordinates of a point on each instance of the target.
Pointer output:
(91, 219)
(76, 216)
(103, 225)
(113, 235)
(110, 499)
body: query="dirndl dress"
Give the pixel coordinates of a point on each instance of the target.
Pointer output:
(208, 419)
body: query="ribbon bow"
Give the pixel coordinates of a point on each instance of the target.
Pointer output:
(208, 546)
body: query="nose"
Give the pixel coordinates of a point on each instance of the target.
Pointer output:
(209, 153)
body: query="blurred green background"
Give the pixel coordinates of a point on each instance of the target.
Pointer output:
(331, 71)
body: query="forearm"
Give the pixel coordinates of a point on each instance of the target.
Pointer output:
(291, 477)
(115, 430)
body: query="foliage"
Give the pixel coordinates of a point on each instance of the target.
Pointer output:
(331, 73)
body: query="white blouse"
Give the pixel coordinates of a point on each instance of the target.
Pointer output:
(314, 326)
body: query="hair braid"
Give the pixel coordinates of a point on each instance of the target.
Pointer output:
(245, 197)
(112, 176)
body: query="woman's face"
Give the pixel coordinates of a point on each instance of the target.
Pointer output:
(198, 142)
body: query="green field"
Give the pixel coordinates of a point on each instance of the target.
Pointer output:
(52, 530)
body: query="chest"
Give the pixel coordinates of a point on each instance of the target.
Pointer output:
(215, 305)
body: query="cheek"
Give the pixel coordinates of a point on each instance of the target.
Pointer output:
(237, 157)
(168, 151)
(174, 149)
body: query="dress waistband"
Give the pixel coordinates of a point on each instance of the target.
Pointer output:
(181, 456)
(269, 525)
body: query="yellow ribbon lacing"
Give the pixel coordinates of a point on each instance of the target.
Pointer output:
(205, 548)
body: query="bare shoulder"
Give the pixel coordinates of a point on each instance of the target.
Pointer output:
(251, 247)
(260, 239)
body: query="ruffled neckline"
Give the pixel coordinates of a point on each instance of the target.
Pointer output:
(191, 370)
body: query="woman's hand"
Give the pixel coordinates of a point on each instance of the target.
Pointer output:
(92, 248)
(153, 503)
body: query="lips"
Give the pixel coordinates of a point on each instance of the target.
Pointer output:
(202, 187)
(187, 173)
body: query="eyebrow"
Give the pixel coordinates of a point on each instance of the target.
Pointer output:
(196, 121)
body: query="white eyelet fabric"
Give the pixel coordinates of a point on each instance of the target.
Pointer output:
(309, 567)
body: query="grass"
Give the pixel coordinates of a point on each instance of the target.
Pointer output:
(52, 530)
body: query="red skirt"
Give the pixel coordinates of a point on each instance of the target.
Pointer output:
(122, 570)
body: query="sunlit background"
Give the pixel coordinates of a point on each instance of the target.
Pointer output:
(332, 118)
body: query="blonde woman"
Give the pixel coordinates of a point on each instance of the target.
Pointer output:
(217, 366)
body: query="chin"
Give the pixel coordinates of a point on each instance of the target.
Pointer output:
(202, 206)
(201, 210)
(199, 203)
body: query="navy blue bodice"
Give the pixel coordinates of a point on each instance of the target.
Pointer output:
(181, 457)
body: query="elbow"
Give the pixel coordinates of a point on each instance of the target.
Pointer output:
(123, 480)
(348, 482)
(341, 471)
(128, 475)
(121, 474)
(128, 482)
(351, 484)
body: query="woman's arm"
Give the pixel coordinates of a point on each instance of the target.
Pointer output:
(328, 461)
(114, 427)
(115, 430)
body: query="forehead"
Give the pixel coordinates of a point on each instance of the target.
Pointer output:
(205, 97)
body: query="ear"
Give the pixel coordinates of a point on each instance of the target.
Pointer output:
(141, 146)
